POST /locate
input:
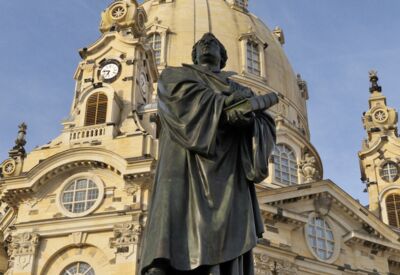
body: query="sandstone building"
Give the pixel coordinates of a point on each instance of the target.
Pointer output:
(78, 204)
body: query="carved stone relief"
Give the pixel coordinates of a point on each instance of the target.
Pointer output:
(125, 235)
(308, 168)
(265, 265)
(22, 249)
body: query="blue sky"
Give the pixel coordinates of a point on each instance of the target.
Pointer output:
(333, 44)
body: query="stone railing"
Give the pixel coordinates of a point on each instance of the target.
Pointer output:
(88, 132)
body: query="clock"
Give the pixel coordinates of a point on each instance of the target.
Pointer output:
(143, 86)
(9, 167)
(109, 70)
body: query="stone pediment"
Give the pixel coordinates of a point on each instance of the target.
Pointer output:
(18, 189)
(105, 42)
(293, 203)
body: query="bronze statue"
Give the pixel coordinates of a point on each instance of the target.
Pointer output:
(214, 145)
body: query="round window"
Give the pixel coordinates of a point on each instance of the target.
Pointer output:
(389, 171)
(78, 268)
(320, 238)
(80, 195)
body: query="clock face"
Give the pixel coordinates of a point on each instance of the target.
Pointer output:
(110, 71)
(144, 85)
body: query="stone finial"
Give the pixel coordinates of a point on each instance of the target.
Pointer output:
(278, 32)
(308, 168)
(18, 149)
(303, 87)
(124, 15)
(373, 78)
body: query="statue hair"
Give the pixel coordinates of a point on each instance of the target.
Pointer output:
(224, 55)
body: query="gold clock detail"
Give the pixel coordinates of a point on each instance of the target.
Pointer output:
(109, 70)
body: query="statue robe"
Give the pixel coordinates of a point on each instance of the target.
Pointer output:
(203, 209)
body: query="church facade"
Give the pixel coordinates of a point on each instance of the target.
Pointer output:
(78, 205)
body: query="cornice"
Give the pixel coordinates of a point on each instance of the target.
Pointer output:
(378, 144)
(339, 197)
(371, 241)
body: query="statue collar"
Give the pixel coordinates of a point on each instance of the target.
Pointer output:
(221, 76)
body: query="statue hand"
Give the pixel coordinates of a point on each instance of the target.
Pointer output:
(238, 119)
(237, 93)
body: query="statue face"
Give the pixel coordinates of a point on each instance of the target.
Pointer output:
(208, 52)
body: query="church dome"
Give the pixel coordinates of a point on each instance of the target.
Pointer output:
(255, 52)
(187, 21)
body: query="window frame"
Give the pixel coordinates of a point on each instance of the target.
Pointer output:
(68, 181)
(163, 31)
(252, 38)
(335, 233)
(253, 58)
(65, 269)
(396, 206)
(278, 159)
(382, 169)
(152, 43)
(96, 106)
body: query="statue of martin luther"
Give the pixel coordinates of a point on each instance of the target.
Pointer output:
(204, 216)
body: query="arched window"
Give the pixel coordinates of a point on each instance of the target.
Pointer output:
(96, 109)
(285, 165)
(154, 41)
(253, 58)
(393, 209)
(78, 268)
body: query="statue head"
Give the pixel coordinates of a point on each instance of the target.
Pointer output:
(209, 50)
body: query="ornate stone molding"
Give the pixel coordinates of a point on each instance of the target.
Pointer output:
(24, 244)
(22, 250)
(323, 204)
(308, 168)
(125, 235)
(263, 264)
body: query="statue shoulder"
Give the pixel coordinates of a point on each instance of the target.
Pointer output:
(176, 74)
(175, 70)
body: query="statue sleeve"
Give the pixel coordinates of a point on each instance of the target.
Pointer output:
(255, 154)
(189, 110)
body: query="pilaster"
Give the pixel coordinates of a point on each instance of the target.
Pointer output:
(22, 251)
